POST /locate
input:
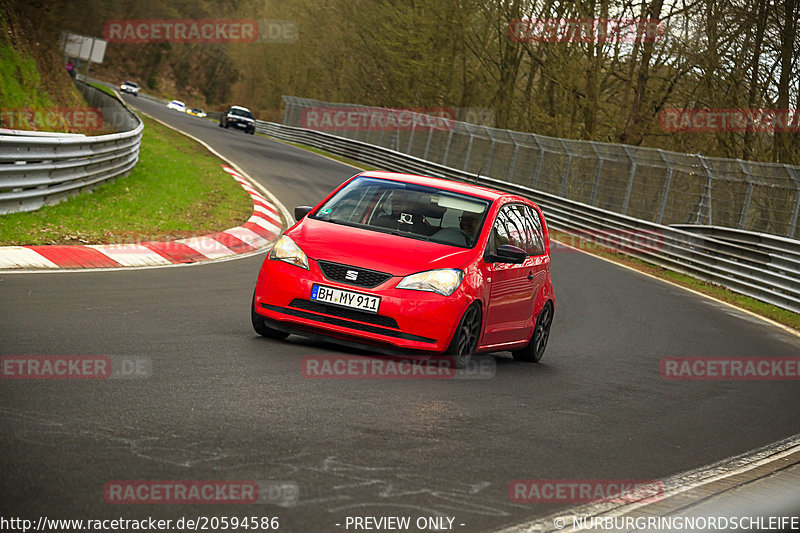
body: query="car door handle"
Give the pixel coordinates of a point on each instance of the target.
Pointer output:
(530, 276)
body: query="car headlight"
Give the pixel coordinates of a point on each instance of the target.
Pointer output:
(286, 250)
(443, 281)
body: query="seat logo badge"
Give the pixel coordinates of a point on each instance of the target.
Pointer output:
(351, 275)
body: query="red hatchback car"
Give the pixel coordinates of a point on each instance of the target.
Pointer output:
(407, 263)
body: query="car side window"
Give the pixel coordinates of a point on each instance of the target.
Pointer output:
(505, 230)
(536, 244)
(518, 225)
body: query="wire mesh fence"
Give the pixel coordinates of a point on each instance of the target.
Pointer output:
(645, 183)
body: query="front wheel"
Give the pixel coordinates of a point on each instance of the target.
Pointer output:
(260, 325)
(465, 339)
(534, 351)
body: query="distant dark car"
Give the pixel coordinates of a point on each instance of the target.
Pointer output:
(130, 88)
(238, 117)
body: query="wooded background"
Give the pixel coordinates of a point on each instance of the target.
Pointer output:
(458, 53)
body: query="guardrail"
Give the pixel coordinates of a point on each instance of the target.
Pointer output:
(37, 170)
(745, 268)
(647, 183)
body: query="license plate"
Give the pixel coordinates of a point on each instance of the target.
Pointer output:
(353, 300)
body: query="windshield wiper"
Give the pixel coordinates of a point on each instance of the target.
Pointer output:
(411, 235)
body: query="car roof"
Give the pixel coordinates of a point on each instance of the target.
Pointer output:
(240, 107)
(448, 185)
(128, 82)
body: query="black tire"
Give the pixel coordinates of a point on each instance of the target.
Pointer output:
(465, 339)
(261, 326)
(220, 124)
(534, 351)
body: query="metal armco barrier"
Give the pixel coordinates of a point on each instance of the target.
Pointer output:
(39, 169)
(647, 183)
(765, 269)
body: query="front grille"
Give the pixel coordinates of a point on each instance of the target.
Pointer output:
(366, 278)
(341, 312)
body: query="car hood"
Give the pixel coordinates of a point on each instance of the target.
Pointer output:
(240, 117)
(394, 254)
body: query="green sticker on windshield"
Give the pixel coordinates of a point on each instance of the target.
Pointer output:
(325, 211)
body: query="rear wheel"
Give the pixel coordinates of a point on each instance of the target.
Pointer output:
(465, 339)
(261, 326)
(534, 351)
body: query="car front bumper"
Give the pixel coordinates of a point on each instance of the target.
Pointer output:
(247, 126)
(407, 320)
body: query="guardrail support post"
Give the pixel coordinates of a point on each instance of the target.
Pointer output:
(705, 201)
(748, 195)
(596, 174)
(793, 222)
(491, 151)
(413, 128)
(428, 142)
(447, 148)
(631, 175)
(513, 159)
(469, 147)
(566, 169)
(538, 162)
(665, 193)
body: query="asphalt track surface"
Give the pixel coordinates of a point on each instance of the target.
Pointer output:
(222, 403)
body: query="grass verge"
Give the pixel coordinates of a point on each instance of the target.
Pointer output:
(177, 190)
(102, 88)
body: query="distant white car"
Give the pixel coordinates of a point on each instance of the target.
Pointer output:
(129, 87)
(177, 105)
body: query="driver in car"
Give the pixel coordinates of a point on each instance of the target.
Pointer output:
(403, 216)
(468, 222)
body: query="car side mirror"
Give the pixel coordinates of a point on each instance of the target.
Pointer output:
(301, 210)
(508, 253)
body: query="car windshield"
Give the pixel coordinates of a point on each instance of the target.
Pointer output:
(195, 110)
(242, 113)
(130, 84)
(412, 211)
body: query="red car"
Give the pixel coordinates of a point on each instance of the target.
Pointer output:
(415, 264)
